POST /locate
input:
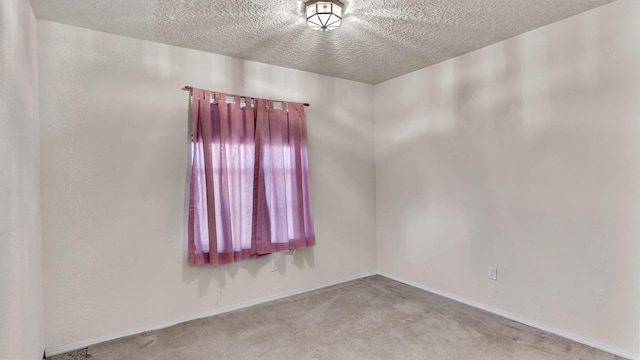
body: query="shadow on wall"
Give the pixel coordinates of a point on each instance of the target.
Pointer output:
(479, 111)
(204, 274)
(508, 147)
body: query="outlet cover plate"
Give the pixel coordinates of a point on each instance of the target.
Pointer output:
(493, 273)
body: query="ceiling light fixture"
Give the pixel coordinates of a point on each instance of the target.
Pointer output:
(323, 15)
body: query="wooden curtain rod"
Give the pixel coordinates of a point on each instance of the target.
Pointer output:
(189, 88)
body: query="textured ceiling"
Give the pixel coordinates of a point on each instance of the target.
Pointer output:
(378, 39)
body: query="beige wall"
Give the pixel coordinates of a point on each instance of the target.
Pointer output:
(21, 335)
(114, 164)
(524, 155)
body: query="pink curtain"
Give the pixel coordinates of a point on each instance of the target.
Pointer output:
(249, 187)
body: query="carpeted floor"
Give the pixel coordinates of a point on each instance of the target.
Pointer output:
(371, 318)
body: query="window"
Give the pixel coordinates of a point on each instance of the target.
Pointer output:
(249, 191)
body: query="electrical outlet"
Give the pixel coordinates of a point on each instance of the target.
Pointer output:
(493, 273)
(274, 265)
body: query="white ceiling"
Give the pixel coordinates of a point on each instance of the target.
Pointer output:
(378, 40)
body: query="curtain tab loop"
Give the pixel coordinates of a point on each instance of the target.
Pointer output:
(216, 98)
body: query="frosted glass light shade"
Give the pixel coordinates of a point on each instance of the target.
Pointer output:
(323, 15)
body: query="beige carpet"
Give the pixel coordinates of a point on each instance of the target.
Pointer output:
(371, 318)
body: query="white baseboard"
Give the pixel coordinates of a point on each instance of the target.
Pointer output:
(510, 316)
(85, 343)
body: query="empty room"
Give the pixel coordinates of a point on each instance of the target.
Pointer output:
(320, 180)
